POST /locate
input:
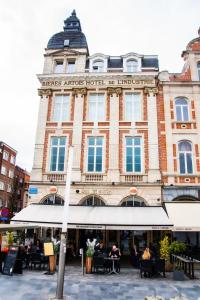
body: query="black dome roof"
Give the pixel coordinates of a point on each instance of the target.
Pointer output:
(71, 37)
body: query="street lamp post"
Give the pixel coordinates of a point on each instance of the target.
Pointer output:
(61, 267)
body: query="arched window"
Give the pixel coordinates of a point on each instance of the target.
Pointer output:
(133, 201)
(98, 66)
(185, 198)
(93, 201)
(182, 112)
(185, 157)
(53, 200)
(132, 65)
(198, 69)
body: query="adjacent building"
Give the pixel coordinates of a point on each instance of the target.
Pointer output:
(135, 135)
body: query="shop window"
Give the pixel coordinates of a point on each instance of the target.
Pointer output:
(57, 159)
(71, 67)
(93, 201)
(98, 66)
(132, 107)
(96, 107)
(133, 154)
(198, 69)
(1, 186)
(59, 66)
(182, 111)
(133, 201)
(53, 200)
(185, 157)
(95, 154)
(131, 65)
(61, 108)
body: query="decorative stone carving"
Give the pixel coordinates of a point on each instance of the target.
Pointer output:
(44, 92)
(114, 90)
(82, 91)
(149, 90)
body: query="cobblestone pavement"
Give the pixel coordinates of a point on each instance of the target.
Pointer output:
(34, 285)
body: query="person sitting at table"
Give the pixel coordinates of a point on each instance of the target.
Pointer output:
(100, 249)
(146, 255)
(115, 253)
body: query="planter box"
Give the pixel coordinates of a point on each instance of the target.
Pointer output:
(178, 275)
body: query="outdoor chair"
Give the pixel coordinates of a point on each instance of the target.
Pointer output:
(159, 267)
(98, 264)
(146, 268)
(35, 259)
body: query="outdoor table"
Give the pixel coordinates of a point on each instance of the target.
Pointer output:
(187, 264)
(113, 259)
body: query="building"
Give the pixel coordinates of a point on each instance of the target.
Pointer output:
(117, 112)
(14, 180)
(179, 134)
(7, 168)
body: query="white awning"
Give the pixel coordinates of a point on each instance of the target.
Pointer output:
(96, 217)
(184, 216)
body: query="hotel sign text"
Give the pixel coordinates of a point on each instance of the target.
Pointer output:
(96, 82)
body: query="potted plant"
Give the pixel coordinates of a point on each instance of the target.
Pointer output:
(177, 247)
(89, 256)
(165, 253)
(178, 273)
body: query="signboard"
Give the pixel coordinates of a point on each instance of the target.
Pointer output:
(10, 261)
(48, 249)
(128, 81)
(33, 190)
(4, 214)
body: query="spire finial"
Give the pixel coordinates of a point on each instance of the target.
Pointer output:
(74, 13)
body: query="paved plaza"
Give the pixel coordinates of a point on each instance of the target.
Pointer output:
(34, 285)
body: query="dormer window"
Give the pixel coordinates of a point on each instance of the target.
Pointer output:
(59, 66)
(98, 66)
(198, 70)
(132, 65)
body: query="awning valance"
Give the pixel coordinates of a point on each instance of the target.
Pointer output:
(184, 215)
(96, 217)
(13, 227)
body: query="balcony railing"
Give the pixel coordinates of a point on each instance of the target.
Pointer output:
(54, 177)
(93, 177)
(133, 178)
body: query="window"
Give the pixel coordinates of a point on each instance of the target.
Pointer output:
(96, 107)
(53, 200)
(61, 108)
(133, 154)
(132, 65)
(59, 66)
(98, 66)
(11, 173)
(8, 188)
(198, 69)
(12, 159)
(182, 113)
(1, 186)
(5, 155)
(95, 154)
(185, 157)
(132, 107)
(133, 201)
(3, 170)
(1, 202)
(57, 161)
(71, 67)
(93, 201)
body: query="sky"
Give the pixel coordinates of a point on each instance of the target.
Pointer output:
(112, 27)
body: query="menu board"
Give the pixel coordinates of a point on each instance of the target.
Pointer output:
(48, 249)
(10, 260)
